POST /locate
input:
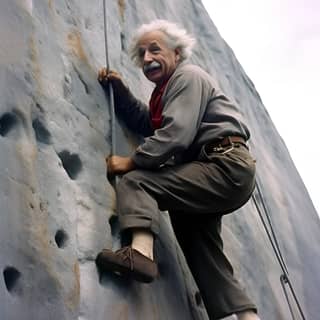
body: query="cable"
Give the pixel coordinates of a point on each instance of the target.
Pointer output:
(284, 281)
(272, 235)
(284, 278)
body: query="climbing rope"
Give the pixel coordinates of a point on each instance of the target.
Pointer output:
(112, 179)
(110, 89)
(284, 278)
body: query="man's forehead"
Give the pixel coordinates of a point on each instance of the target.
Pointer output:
(153, 37)
(147, 43)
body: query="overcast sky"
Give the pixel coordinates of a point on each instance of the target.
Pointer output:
(278, 44)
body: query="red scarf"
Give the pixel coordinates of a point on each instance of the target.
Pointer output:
(156, 106)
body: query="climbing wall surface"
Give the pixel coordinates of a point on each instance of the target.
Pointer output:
(55, 200)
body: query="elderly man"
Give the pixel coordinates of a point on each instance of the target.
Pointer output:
(194, 162)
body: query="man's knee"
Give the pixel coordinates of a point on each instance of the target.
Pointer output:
(130, 182)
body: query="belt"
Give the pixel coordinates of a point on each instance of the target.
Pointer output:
(220, 145)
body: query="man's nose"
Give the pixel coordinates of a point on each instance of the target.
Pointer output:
(147, 56)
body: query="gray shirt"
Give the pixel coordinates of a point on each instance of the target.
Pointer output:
(195, 111)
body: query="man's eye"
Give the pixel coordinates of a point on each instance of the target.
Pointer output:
(141, 53)
(154, 49)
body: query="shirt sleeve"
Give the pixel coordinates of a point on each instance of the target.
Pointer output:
(134, 113)
(181, 119)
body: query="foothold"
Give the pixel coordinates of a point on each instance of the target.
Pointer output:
(42, 134)
(11, 276)
(28, 77)
(114, 225)
(67, 88)
(39, 107)
(61, 238)
(123, 42)
(198, 298)
(71, 163)
(7, 122)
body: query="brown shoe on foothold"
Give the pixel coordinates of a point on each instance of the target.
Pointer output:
(128, 261)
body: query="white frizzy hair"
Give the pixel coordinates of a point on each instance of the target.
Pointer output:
(176, 37)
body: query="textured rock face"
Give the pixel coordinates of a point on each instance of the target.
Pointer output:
(55, 200)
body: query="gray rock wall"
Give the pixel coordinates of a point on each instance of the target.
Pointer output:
(55, 200)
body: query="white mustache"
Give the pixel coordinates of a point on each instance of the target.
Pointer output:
(152, 65)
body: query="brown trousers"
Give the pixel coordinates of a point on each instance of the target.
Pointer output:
(196, 194)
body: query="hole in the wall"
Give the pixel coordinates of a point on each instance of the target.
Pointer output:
(71, 163)
(39, 107)
(27, 77)
(123, 42)
(11, 277)
(61, 238)
(67, 89)
(114, 225)
(42, 134)
(7, 122)
(198, 298)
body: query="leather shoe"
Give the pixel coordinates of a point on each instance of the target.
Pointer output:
(128, 261)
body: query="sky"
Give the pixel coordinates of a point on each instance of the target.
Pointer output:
(277, 42)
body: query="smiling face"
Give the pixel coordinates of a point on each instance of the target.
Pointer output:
(157, 59)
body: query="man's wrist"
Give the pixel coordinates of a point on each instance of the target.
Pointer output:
(132, 164)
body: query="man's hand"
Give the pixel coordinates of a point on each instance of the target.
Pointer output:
(104, 76)
(119, 165)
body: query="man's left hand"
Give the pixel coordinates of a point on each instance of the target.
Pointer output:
(119, 165)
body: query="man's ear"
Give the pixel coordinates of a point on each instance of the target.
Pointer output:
(177, 52)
